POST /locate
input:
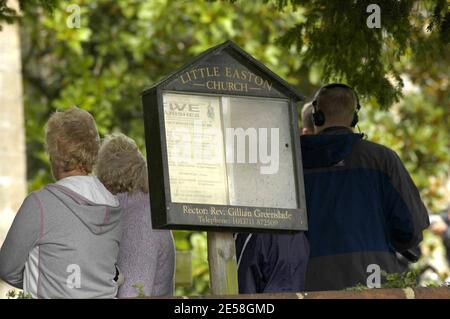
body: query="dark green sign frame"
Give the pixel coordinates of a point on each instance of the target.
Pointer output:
(222, 70)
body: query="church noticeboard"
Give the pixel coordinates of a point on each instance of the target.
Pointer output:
(223, 149)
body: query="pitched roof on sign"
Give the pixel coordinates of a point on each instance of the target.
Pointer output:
(232, 48)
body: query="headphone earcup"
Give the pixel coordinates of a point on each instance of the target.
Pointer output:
(355, 120)
(318, 118)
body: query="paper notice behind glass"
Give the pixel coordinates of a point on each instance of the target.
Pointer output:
(194, 137)
(264, 122)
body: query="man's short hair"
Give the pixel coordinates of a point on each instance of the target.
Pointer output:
(72, 140)
(307, 120)
(338, 104)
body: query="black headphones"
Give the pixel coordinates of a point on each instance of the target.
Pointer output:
(318, 116)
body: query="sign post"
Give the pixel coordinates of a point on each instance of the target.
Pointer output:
(222, 263)
(223, 154)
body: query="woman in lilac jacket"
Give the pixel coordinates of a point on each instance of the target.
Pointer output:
(146, 256)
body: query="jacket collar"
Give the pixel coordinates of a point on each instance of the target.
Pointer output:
(336, 130)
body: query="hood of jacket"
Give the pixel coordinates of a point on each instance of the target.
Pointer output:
(99, 218)
(327, 148)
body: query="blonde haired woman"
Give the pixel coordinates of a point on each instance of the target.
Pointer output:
(64, 240)
(146, 256)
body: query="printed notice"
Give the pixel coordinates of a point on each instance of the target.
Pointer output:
(195, 149)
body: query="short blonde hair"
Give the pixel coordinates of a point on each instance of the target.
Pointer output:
(72, 140)
(121, 167)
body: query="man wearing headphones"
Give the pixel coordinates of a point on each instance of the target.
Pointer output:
(363, 206)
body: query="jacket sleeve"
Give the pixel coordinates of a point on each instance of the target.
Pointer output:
(22, 237)
(284, 266)
(407, 216)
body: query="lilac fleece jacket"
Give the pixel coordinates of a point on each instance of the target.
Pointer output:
(146, 255)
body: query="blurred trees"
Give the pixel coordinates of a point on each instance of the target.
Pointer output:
(335, 36)
(123, 47)
(10, 10)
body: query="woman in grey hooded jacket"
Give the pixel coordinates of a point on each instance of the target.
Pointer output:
(64, 240)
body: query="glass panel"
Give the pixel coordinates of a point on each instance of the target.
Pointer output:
(195, 148)
(258, 134)
(257, 167)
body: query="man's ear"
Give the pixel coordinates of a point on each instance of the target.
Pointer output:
(305, 131)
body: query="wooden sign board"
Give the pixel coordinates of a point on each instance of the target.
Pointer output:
(223, 148)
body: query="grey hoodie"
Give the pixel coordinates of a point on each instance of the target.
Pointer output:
(62, 245)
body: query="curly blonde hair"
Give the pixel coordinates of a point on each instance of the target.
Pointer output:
(121, 167)
(72, 140)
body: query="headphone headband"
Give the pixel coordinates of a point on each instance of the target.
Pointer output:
(336, 85)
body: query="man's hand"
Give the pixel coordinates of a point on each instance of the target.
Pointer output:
(439, 227)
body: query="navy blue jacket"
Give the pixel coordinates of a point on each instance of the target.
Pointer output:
(271, 262)
(362, 207)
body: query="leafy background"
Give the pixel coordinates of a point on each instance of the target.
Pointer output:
(401, 72)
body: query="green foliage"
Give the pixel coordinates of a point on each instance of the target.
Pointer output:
(13, 294)
(434, 285)
(123, 47)
(196, 242)
(358, 287)
(432, 264)
(10, 15)
(334, 35)
(393, 280)
(417, 127)
(401, 280)
(140, 290)
(7, 14)
(417, 130)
